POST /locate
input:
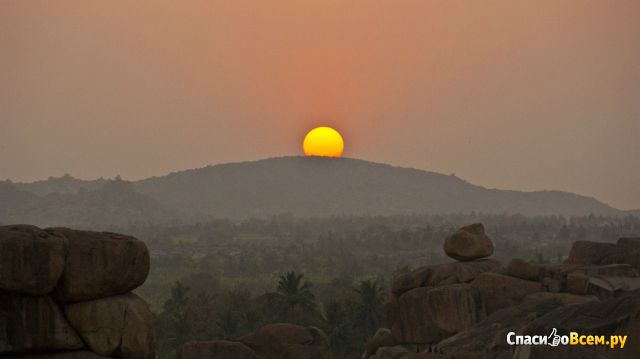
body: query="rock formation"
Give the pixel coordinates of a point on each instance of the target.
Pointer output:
(272, 341)
(465, 309)
(66, 294)
(468, 243)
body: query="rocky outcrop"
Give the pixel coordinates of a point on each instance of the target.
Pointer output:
(428, 315)
(465, 309)
(539, 317)
(34, 323)
(272, 341)
(119, 325)
(626, 250)
(502, 291)
(469, 243)
(98, 265)
(65, 294)
(31, 260)
(443, 274)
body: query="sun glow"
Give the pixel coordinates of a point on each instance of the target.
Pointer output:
(324, 142)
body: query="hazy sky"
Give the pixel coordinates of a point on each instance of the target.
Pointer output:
(509, 94)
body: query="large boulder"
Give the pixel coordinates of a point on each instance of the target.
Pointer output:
(100, 265)
(589, 253)
(31, 260)
(502, 291)
(34, 323)
(218, 349)
(625, 251)
(278, 341)
(443, 274)
(120, 326)
(468, 243)
(428, 315)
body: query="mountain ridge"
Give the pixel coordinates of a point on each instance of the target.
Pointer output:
(316, 186)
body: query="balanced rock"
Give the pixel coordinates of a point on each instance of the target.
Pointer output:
(34, 323)
(428, 315)
(100, 265)
(218, 349)
(468, 243)
(120, 326)
(31, 260)
(276, 341)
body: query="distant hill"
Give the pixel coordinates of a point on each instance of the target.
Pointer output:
(115, 203)
(303, 186)
(312, 186)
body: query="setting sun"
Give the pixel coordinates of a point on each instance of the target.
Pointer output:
(323, 141)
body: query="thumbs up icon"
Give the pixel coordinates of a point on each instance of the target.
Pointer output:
(554, 338)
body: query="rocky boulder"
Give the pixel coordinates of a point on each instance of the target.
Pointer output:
(41, 270)
(218, 349)
(34, 323)
(502, 291)
(428, 315)
(468, 243)
(443, 274)
(100, 265)
(276, 341)
(120, 326)
(31, 260)
(589, 253)
(625, 251)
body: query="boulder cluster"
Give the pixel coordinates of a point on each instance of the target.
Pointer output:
(273, 341)
(464, 309)
(67, 294)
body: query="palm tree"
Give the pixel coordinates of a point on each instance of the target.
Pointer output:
(338, 326)
(294, 294)
(176, 310)
(369, 306)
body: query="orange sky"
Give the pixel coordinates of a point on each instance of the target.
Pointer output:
(509, 94)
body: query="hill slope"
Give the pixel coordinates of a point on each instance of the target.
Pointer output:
(308, 186)
(115, 203)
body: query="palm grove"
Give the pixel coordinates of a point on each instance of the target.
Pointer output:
(348, 320)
